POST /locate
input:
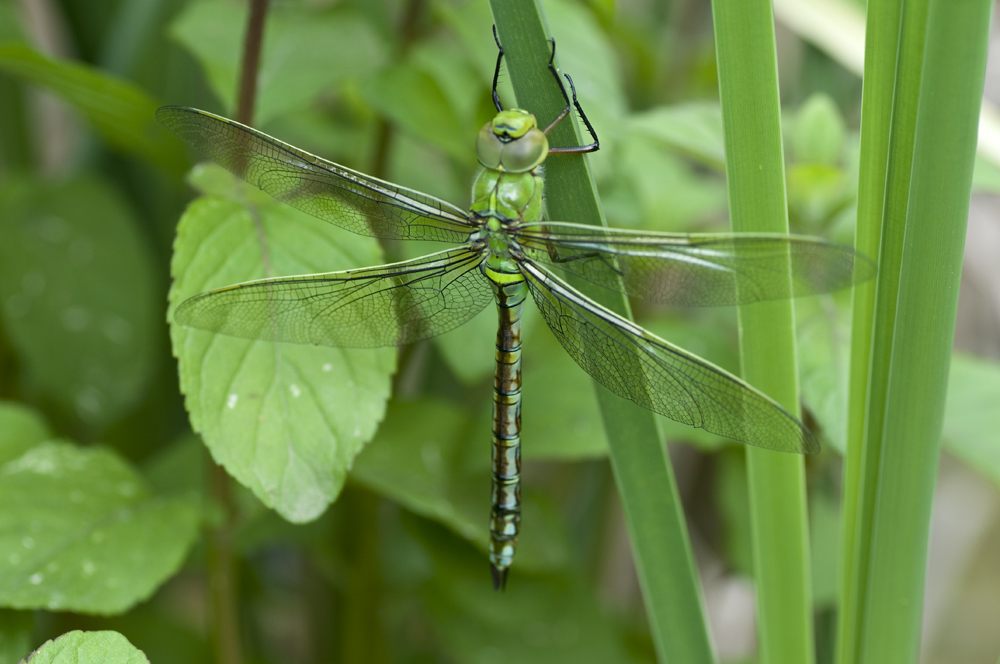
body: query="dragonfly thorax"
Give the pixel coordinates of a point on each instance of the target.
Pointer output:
(512, 142)
(509, 197)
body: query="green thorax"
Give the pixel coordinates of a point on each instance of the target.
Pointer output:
(508, 191)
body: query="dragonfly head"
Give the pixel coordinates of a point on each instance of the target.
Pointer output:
(512, 142)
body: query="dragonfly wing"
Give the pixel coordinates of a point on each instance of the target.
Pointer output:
(387, 305)
(639, 366)
(697, 269)
(344, 197)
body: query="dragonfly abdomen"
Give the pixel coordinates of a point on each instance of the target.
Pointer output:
(510, 291)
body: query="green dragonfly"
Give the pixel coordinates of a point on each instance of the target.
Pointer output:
(505, 251)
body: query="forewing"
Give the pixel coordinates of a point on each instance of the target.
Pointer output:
(388, 305)
(639, 366)
(698, 269)
(344, 197)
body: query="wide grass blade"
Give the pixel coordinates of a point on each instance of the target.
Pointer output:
(748, 86)
(913, 339)
(645, 481)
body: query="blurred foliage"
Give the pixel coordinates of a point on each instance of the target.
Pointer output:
(103, 490)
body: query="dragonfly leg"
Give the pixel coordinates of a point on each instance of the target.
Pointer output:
(579, 149)
(496, 72)
(604, 258)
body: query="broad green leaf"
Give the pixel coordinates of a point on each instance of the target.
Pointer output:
(285, 420)
(78, 294)
(972, 416)
(20, 429)
(305, 52)
(80, 531)
(121, 112)
(88, 648)
(433, 458)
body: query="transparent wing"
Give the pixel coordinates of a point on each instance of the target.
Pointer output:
(346, 198)
(639, 366)
(696, 269)
(387, 305)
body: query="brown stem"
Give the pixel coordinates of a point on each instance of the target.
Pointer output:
(251, 61)
(223, 586)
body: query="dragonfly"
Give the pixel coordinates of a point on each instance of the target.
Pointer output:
(503, 251)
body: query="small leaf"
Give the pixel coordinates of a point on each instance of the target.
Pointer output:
(78, 294)
(80, 531)
(285, 420)
(818, 132)
(88, 648)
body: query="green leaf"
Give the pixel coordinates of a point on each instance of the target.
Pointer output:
(817, 135)
(971, 416)
(78, 294)
(293, 70)
(88, 648)
(657, 190)
(80, 531)
(285, 420)
(413, 100)
(415, 459)
(20, 429)
(121, 112)
(693, 128)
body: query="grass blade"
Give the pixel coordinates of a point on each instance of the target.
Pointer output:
(645, 481)
(745, 51)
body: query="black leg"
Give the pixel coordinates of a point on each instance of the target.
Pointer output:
(496, 72)
(570, 103)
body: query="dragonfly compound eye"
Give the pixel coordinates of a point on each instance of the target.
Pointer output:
(488, 148)
(525, 153)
